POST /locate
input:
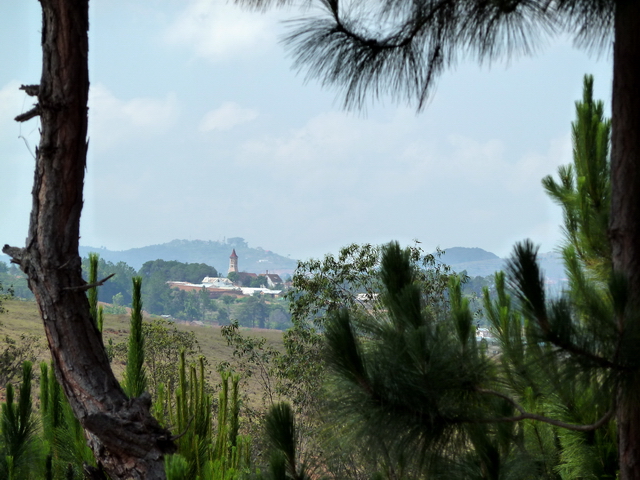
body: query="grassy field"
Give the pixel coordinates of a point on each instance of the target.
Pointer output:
(22, 318)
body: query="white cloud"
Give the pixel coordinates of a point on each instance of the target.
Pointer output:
(229, 115)
(111, 119)
(215, 29)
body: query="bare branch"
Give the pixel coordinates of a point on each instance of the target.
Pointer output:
(14, 252)
(34, 112)
(88, 286)
(176, 437)
(31, 90)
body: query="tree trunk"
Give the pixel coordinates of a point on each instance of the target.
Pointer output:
(126, 440)
(625, 216)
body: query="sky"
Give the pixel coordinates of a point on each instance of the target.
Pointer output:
(200, 129)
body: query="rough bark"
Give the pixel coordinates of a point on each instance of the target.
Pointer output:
(625, 217)
(126, 440)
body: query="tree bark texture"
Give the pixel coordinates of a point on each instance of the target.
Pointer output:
(126, 440)
(625, 219)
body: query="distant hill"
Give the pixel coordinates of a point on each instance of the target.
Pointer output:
(465, 255)
(213, 253)
(479, 262)
(476, 261)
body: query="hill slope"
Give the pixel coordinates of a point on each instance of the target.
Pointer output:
(479, 262)
(214, 253)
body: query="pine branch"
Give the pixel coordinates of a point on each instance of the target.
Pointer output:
(524, 415)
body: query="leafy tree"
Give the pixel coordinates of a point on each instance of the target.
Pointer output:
(119, 283)
(156, 294)
(279, 318)
(14, 353)
(223, 316)
(163, 344)
(253, 312)
(237, 242)
(4, 297)
(177, 271)
(253, 357)
(193, 309)
(17, 285)
(205, 301)
(259, 281)
(117, 305)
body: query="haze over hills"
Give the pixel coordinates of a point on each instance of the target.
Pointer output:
(210, 252)
(475, 261)
(479, 262)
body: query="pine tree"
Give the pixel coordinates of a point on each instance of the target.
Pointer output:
(584, 193)
(135, 380)
(18, 450)
(584, 188)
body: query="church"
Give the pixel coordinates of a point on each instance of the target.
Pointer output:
(272, 279)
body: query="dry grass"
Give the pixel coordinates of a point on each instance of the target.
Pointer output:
(22, 318)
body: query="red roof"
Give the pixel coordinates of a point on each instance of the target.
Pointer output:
(233, 254)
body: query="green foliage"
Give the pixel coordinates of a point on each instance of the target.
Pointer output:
(117, 305)
(4, 296)
(201, 453)
(406, 367)
(258, 282)
(254, 357)
(14, 353)
(348, 281)
(120, 283)
(17, 285)
(92, 294)
(18, 447)
(298, 373)
(163, 343)
(228, 299)
(177, 271)
(253, 312)
(135, 379)
(64, 441)
(351, 281)
(282, 433)
(584, 187)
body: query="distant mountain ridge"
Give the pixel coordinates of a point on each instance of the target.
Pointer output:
(210, 252)
(478, 262)
(475, 261)
(465, 255)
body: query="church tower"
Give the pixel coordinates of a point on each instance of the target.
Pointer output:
(233, 262)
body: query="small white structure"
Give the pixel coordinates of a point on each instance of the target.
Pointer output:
(217, 282)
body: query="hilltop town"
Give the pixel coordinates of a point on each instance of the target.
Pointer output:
(236, 283)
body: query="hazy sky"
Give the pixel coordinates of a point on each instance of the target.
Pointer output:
(200, 129)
